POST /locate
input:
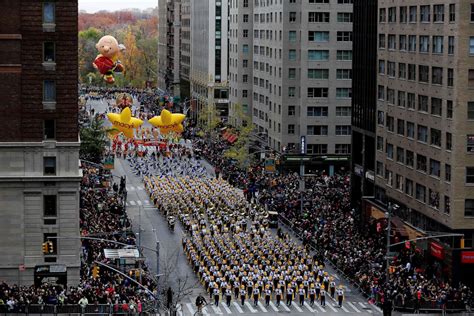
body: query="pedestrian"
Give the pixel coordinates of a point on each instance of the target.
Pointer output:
(301, 294)
(278, 293)
(228, 295)
(332, 287)
(289, 295)
(323, 296)
(312, 294)
(216, 295)
(256, 294)
(340, 295)
(268, 294)
(236, 289)
(242, 294)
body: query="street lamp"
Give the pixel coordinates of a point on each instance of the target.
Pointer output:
(390, 209)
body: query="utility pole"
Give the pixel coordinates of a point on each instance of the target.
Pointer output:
(140, 241)
(389, 227)
(302, 184)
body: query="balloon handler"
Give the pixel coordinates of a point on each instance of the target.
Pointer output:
(107, 61)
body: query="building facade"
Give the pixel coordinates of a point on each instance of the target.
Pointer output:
(209, 55)
(39, 147)
(425, 112)
(300, 69)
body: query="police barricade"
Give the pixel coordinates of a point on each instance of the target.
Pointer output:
(41, 309)
(68, 309)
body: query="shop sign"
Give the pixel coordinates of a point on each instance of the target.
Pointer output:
(437, 250)
(467, 257)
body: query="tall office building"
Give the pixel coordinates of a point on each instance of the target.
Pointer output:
(209, 55)
(425, 108)
(39, 144)
(300, 60)
(174, 46)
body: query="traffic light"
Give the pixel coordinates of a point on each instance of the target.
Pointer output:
(50, 246)
(95, 272)
(45, 248)
(462, 243)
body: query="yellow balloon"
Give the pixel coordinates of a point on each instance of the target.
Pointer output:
(168, 122)
(124, 122)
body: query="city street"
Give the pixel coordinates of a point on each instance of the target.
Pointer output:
(174, 267)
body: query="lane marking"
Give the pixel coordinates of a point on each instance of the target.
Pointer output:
(139, 202)
(345, 309)
(132, 203)
(204, 311)
(190, 308)
(352, 305)
(297, 308)
(319, 306)
(217, 309)
(367, 308)
(336, 276)
(282, 304)
(273, 307)
(262, 307)
(331, 307)
(376, 308)
(226, 308)
(250, 307)
(237, 306)
(309, 308)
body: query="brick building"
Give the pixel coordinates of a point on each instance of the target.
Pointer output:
(39, 143)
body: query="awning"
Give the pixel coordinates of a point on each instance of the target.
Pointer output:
(121, 253)
(399, 226)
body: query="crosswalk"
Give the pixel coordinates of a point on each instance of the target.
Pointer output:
(134, 188)
(144, 203)
(235, 308)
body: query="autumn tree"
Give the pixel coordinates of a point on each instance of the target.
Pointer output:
(240, 149)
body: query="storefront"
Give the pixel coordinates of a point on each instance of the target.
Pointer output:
(51, 274)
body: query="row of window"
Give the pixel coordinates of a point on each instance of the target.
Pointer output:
(411, 101)
(425, 43)
(323, 130)
(410, 72)
(423, 13)
(322, 17)
(409, 187)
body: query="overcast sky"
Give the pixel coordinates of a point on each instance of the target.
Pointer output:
(113, 5)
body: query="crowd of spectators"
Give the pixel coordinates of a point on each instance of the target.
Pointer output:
(102, 214)
(328, 223)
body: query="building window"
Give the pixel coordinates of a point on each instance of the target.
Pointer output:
(382, 15)
(436, 106)
(470, 110)
(469, 207)
(382, 67)
(245, 33)
(246, 3)
(423, 73)
(343, 111)
(402, 70)
(292, 36)
(438, 44)
(451, 45)
(389, 150)
(400, 127)
(291, 73)
(380, 143)
(49, 91)
(412, 43)
(422, 103)
(49, 12)
(390, 123)
(318, 17)
(433, 199)
(447, 204)
(318, 73)
(49, 166)
(49, 52)
(344, 36)
(291, 129)
(470, 175)
(317, 111)
(316, 149)
(343, 130)
(49, 205)
(291, 92)
(449, 141)
(344, 74)
(470, 79)
(409, 187)
(422, 133)
(392, 15)
(402, 42)
(435, 168)
(49, 131)
(470, 143)
(391, 68)
(343, 93)
(245, 63)
(245, 49)
(344, 55)
(400, 155)
(399, 182)
(318, 130)
(401, 99)
(318, 36)
(413, 14)
(381, 40)
(291, 110)
(410, 130)
(438, 13)
(318, 55)
(447, 172)
(379, 168)
(392, 42)
(452, 13)
(424, 13)
(246, 18)
(381, 118)
(412, 72)
(411, 100)
(424, 44)
(421, 163)
(381, 93)
(292, 54)
(344, 17)
(471, 45)
(403, 15)
(436, 75)
(343, 149)
(410, 158)
(317, 92)
(420, 193)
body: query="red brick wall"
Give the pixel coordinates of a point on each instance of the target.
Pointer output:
(22, 97)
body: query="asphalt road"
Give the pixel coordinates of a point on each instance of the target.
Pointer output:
(151, 226)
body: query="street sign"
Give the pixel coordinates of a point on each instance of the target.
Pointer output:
(21, 267)
(303, 145)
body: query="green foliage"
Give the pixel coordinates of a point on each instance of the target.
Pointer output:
(94, 141)
(240, 149)
(208, 118)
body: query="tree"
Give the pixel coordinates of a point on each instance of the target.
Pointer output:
(94, 141)
(208, 118)
(240, 149)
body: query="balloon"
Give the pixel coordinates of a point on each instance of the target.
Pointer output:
(168, 122)
(124, 122)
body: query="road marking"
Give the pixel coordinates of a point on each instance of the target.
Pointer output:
(262, 307)
(310, 309)
(131, 188)
(132, 203)
(146, 202)
(345, 309)
(298, 308)
(376, 308)
(216, 309)
(331, 307)
(352, 305)
(139, 202)
(273, 306)
(237, 306)
(369, 310)
(285, 307)
(204, 311)
(319, 306)
(252, 310)
(190, 307)
(335, 275)
(226, 308)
